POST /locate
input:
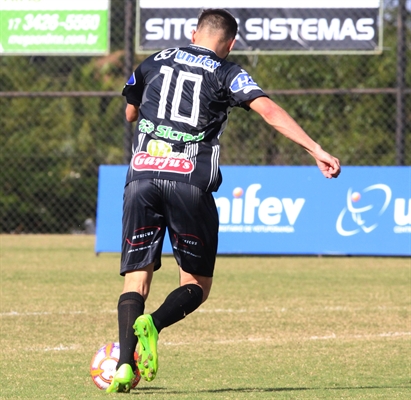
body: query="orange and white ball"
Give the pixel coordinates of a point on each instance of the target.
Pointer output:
(103, 366)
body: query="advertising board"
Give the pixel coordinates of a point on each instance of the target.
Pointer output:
(268, 26)
(291, 210)
(34, 27)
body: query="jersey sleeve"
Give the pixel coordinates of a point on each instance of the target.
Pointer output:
(133, 89)
(242, 88)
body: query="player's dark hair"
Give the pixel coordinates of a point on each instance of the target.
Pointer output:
(218, 19)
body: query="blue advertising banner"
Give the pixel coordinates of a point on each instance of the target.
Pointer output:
(291, 210)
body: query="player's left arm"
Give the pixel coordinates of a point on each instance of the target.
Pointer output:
(131, 112)
(279, 119)
(133, 91)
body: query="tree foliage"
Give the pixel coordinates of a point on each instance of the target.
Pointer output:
(51, 147)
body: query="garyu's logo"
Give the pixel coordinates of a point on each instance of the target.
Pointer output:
(363, 218)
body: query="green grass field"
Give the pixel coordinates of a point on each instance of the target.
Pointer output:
(273, 327)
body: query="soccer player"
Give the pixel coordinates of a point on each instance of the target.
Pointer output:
(180, 98)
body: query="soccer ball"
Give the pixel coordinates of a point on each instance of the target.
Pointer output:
(103, 366)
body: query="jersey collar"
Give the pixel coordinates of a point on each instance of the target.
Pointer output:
(202, 48)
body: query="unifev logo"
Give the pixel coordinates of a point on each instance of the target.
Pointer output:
(401, 218)
(246, 212)
(202, 61)
(354, 219)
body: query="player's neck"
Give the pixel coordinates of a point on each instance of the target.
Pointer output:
(213, 43)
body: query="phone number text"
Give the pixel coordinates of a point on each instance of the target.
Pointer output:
(51, 22)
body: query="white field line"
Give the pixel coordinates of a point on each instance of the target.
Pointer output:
(269, 340)
(60, 348)
(215, 310)
(41, 313)
(248, 340)
(300, 309)
(370, 336)
(332, 336)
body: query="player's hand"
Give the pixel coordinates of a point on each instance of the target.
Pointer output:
(328, 165)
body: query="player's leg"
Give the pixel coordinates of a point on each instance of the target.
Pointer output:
(130, 307)
(193, 291)
(192, 221)
(204, 282)
(178, 304)
(141, 255)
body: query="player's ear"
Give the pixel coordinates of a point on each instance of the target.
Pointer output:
(231, 45)
(193, 36)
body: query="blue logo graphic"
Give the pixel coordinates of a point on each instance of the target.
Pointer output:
(132, 80)
(244, 82)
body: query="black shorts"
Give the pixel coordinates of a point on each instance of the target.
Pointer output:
(190, 215)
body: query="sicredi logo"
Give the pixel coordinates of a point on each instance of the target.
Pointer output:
(246, 212)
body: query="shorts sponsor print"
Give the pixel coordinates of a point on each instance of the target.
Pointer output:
(142, 237)
(188, 244)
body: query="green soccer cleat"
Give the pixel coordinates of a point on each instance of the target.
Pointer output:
(147, 334)
(122, 380)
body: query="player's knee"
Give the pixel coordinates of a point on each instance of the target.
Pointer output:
(206, 293)
(196, 295)
(138, 281)
(205, 290)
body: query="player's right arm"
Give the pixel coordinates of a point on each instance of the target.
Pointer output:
(280, 120)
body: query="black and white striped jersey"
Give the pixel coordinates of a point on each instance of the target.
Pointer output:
(184, 97)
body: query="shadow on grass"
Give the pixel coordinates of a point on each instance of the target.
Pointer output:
(157, 389)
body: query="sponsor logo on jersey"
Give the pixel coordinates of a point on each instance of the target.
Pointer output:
(167, 132)
(244, 82)
(143, 161)
(160, 157)
(202, 61)
(132, 80)
(164, 54)
(146, 126)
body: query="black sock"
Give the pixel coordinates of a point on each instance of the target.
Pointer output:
(179, 303)
(130, 306)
